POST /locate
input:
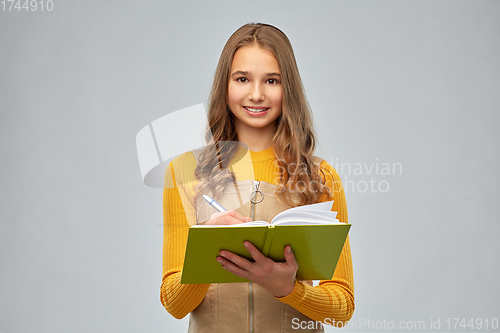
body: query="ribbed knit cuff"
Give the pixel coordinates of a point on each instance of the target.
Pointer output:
(296, 296)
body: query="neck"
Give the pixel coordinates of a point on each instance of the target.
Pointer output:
(256, 139)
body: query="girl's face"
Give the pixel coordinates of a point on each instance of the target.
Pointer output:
(255, 91)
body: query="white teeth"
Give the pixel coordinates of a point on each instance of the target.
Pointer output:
(255, 110)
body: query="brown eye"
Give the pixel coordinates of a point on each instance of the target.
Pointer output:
(242, 79)
(272, 81)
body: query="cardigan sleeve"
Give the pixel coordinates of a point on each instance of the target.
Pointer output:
(332, 301)
(178, 299)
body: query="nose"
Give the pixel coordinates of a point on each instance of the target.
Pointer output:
(256, 92)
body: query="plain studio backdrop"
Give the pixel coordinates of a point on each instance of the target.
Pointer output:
(405, 96)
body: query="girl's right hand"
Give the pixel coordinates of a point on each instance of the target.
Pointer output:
(228, 217)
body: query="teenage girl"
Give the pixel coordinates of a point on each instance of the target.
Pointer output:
(257, 99)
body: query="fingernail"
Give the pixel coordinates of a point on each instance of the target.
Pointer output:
(222, 254)
(245, 244)
(219, 260)
(289, 249)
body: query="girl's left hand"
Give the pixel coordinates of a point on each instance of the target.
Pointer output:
(276, 277)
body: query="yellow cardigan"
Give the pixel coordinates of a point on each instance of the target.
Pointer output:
(331, 301)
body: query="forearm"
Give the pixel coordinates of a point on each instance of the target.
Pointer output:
(180, 299)
(332, 300)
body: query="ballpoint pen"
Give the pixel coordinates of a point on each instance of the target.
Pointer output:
(214, 203)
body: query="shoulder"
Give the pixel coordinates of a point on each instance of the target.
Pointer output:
(186, 160)
(331, 177)
(181, 169)
(325, 166)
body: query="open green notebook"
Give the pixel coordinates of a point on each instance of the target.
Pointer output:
(313, 232)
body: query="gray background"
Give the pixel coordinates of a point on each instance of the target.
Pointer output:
(410, 82)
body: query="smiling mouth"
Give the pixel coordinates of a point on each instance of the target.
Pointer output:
(255, 110)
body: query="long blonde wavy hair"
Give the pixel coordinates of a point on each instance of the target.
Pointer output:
(294, 137)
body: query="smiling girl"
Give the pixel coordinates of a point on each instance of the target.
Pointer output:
(257, 100)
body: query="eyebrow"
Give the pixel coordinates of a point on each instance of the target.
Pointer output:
(245, 73)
